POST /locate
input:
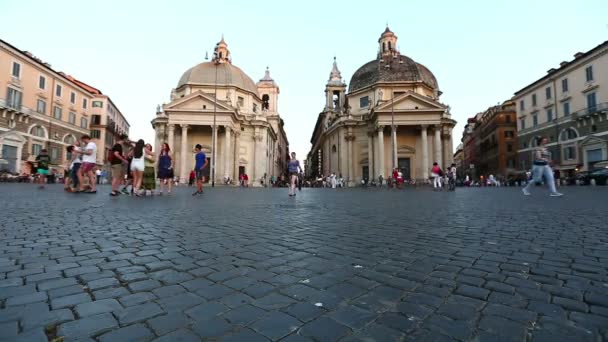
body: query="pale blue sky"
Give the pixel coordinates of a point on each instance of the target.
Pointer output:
(135, 51)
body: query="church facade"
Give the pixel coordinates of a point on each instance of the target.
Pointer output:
(217, 105)
(391, 117)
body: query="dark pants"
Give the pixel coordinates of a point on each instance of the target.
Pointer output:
(74, 174)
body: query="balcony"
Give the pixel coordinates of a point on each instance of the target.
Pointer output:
(600, 108)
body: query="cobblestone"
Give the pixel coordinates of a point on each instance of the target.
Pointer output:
(327, 268)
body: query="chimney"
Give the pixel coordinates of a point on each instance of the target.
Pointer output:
(578, 54)
(550, 70)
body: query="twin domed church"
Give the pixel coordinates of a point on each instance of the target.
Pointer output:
(390, 117)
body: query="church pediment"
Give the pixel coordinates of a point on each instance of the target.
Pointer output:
(410, 101)
(198, 101)
(592, 139)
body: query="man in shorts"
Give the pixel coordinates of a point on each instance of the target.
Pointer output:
(43, 161)
(200, 165)
(118, 162)
(89, 164)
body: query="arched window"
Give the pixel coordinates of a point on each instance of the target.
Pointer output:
(38, 131)
(265, 102)
(390, 47)
(383, 46)
(568, 134)
(333, 149)
(69, 139)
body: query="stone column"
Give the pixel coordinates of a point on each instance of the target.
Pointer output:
(370, 155)
(237, 147)
(170, 132)
(350, 159)
(394, 147)
(252, 176)
(381, 151)
(158, 135)
(214, 154)
(437, 145)
(183, 170)
(447, 160)
(425, 152)
(227, 153)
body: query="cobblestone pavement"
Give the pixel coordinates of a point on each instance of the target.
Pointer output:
(348, 265)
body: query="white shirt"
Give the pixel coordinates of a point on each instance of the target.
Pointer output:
(92, 158)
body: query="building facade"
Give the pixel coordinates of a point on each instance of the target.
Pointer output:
(40, 108)
(459, 161)
(568, 106)
(391, 117)
(107, 124)
(217, 105)
(496, 131)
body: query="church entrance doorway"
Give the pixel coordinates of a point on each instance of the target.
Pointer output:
(404, 167)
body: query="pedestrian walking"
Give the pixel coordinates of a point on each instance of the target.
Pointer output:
(165, 168)
(42, 168)
(541, 168)
(149, 181)
(293, 167)
(436, 174)
(200, 164)
(129, 176)
(118, 163)
(137, 167)
(89, 164)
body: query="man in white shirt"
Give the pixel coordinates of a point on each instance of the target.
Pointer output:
(89, 164)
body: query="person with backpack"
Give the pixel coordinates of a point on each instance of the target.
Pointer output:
(436, 173)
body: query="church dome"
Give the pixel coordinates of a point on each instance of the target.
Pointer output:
(227, 74)
(391, 66)
(402, 69)
(219, 71)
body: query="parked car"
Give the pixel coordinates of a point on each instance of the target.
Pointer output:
(582, 177)
(600, 176)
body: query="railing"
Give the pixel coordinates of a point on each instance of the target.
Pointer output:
(590, 110)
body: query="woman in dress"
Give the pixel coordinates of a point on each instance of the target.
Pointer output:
(137, 166)
(165, 168)
(149, 172)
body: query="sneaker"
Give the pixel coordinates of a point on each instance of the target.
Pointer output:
(526, 192)
(556, 194)
(114, 193)
(125, 191)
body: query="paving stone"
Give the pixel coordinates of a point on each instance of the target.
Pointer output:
(168, 291)
(102, 283)
(88, 326)
(273, 301)
(236, 300)
(352, 317)
(545, 309)
(276, 325)
(182, 335)
(461, 330)
(206, 310)
(139, 313)
(114, 292)
(324, 329)
(304, 311)
(378, 332)
(246, 335)
(65, 291)
(144, 285)
(13, 291)
(80, 270)
(180, 302)
(135, 332)
(259, 290)
(472, 291)
(27, 299)
(571, 304)
(57, 283)
(89, 277)
(98, 307)
(35, 335)
(213, 327)
(162, 325)
(9, 330)
(71, 300)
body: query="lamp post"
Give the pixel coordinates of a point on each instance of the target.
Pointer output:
(214, 132)
(393, 131)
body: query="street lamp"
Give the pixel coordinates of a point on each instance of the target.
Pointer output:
(214, 132)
